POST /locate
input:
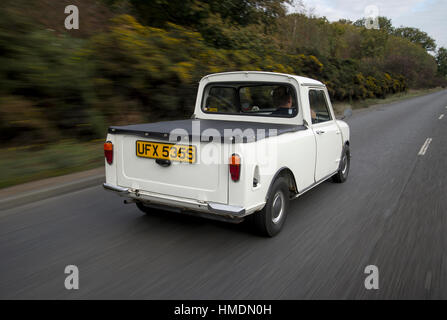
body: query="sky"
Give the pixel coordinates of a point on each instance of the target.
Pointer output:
(427, 15)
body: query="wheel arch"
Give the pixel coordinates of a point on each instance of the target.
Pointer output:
(345, 144)
(288, 174)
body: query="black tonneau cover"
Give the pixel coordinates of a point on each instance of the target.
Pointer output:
(194, 129)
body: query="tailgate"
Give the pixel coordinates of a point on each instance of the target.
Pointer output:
(199, 181)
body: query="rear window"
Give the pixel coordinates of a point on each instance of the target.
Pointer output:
(252, 99)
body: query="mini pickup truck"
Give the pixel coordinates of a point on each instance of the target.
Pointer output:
(256, 141)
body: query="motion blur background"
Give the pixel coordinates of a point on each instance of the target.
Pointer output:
(134, 61)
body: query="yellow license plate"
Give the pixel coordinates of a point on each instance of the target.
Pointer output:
(166, 151)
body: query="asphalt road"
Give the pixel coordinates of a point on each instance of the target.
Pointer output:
(390, 213)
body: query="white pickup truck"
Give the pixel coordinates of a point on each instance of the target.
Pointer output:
(256, 140)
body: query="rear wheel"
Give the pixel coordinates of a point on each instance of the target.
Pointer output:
(269, 221)
(343, 170)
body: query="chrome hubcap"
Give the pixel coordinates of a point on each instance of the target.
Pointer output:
(277, 207)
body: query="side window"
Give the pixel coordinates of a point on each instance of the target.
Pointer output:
(318, 106)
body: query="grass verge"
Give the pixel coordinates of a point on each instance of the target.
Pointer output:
(339, 107)
(29, 163)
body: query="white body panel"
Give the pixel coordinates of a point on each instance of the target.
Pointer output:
(203, 182)
(295, 151)
(308, 155)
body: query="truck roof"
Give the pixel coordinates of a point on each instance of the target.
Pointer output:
(301, 80)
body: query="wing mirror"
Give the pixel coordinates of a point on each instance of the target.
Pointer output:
(346, 114)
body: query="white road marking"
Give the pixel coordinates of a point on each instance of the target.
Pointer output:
(441, 116)
(424, 147)
(428, 281)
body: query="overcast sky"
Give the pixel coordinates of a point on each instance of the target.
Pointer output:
(427, 15)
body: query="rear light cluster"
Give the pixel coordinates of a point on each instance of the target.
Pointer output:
(108, 152)
(235, 167)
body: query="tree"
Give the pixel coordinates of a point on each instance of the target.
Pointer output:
(441, 60)
(386, 25)
(193, 13)
(416, 36)
(373, 43)
(345, 21)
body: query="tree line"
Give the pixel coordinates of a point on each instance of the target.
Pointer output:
(141, 60)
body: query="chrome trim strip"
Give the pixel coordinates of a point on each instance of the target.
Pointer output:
(313, 85)
(313, 185)
(118, 189)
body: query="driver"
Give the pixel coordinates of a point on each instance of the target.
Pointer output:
(282, 100)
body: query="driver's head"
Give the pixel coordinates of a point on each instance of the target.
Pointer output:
(282, 97)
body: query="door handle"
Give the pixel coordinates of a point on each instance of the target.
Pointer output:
(337, 132)
(320, 131)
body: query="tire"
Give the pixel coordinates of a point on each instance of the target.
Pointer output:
(269, 221)
(345, 162)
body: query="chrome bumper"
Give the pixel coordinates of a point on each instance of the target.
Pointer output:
(180, 203)
(218, 208)
(111, 187)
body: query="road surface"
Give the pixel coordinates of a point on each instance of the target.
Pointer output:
(390, 213)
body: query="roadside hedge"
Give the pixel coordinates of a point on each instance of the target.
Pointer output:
(54, 85)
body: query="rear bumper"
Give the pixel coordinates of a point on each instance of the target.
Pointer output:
(180, 203)
(117, 189)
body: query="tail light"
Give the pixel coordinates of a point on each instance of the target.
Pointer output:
(108, 152)
(235, 167)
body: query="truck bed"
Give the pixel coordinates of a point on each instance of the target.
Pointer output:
(161, 130)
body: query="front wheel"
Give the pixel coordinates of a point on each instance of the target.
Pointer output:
(343, 170)
(269, 221)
